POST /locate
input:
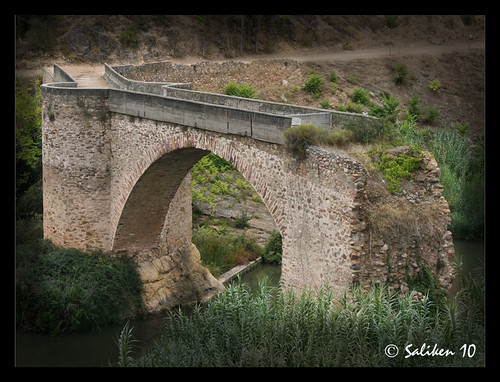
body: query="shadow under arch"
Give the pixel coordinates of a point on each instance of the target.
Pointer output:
(157, 212)
(143, 216)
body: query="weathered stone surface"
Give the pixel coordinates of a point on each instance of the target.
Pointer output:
(177, 278)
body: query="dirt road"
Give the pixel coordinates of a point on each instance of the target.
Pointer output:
(90, 75)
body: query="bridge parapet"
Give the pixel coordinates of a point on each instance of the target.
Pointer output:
(177, 103)
(257, 125)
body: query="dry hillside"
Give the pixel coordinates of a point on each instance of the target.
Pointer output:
(95, 39)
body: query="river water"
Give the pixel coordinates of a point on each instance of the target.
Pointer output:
(98, 348)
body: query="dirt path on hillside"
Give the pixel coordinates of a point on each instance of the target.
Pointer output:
(307, 55)
(90, 75)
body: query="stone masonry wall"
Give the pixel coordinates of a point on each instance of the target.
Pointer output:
(400, 236)
(76, 156)
(311, 201)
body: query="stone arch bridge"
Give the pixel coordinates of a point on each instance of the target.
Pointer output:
(116, 178)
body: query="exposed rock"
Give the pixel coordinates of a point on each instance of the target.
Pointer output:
(397, 151)
(77, 41)
(177, 278)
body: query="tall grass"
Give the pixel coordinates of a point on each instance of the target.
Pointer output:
(275, 328)
(462, 175)
(221, 251)
(463, 179)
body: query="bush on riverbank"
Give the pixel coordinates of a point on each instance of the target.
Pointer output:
(62, 290)
(273, 249)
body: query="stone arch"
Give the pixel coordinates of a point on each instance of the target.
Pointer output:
(153, 188)
(311, 201)
(160, 185)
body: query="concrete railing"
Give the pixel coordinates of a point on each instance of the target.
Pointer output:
(59, 78)
(262, 126)
(115, 79)
(176, 103)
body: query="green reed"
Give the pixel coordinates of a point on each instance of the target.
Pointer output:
(275, 328)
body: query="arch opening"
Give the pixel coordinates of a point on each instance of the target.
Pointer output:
(155, 228)
(231, 223)
(157, 194)
(143, 216)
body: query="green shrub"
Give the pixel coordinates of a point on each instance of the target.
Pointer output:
(71, 290)
(351, 107)
(431, 114)
(366, 132)
(361, 96)
(414, 108)
(242, 220)
(388, 110)
(402, 72)
(273, 249)
(325, 104)
(333, 77)
(240, 90)
(337, 137)
(435, 85)
(297, 138)
(314, 83)
(128, 37)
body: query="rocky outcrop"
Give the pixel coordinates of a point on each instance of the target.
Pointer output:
(176, 278)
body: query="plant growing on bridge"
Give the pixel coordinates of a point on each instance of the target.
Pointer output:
(297, 138)
(396, 168)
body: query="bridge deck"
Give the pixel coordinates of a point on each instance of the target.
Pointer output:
(88, 76)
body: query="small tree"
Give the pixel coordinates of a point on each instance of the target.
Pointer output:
(314, 83)
(402, 71)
